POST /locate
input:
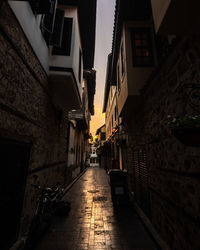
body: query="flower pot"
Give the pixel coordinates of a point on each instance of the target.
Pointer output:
(188, 136)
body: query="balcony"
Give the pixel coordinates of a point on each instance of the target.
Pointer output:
(66, 64)
(54, 34)
(139, 50)
(80, 118)
(176, 17)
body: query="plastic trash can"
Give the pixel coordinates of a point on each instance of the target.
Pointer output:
(118, 184)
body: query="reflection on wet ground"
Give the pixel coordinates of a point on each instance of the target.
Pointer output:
(93, 223)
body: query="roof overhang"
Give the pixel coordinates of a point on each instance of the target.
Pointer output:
(107, 82)
(99, 129)
(90, 77)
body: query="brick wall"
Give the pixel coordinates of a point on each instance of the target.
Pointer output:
(28, 114)
(174, 173)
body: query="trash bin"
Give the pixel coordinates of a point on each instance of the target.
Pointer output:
(119, 189)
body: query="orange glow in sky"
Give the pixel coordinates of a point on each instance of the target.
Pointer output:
(104, 33)
(98, 120)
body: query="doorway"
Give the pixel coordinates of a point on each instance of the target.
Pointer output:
(14, 161)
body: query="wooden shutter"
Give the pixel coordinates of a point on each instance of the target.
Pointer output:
(142, 181)
(65, 48)
(42, 6)
(144, 176)
(56, 38)
(47, 23)
(137, 176)
(79, 69)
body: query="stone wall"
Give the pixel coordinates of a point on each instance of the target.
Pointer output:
(174, 173)
(28, 114)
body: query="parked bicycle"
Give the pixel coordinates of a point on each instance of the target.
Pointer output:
(49, 204)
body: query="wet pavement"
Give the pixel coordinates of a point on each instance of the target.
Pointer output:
(92, 222)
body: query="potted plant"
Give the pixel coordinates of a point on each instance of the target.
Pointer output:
(186, 129)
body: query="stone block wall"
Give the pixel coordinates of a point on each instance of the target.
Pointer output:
(174, 173)
(27, 113)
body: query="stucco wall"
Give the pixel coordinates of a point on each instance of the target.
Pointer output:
(71, 61)
(110, 112)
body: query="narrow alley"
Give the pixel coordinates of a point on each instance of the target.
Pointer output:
(93, 223)
(90, 87)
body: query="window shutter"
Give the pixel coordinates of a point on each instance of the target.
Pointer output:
(79, 69)
(137, 176)
(142, 181)
(47, 23)
(42, 6)
(65, 48)
(56, 38)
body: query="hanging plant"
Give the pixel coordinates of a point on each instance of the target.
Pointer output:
(186, 129)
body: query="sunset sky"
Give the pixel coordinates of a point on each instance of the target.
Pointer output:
(104, 32)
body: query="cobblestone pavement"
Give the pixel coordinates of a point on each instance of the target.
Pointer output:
(93, 223)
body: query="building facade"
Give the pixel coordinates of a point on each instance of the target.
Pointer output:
(112, 120)
(155, 69)
(78, 149)
(94, 159)
(101, 138)
(45, 49)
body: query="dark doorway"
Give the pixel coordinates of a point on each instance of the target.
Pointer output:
(14, 160)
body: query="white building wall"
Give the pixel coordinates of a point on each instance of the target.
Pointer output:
(77, 47)
(66, 61)
(93, 156)
(71, 61)
(31, 27)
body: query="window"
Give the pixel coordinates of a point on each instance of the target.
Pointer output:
(115, 113)
(118, 78)
(65, 48)
(142, 47)
(80, 63)
(103, 136)
(56, 38)
(122, 59)
(112, 120)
